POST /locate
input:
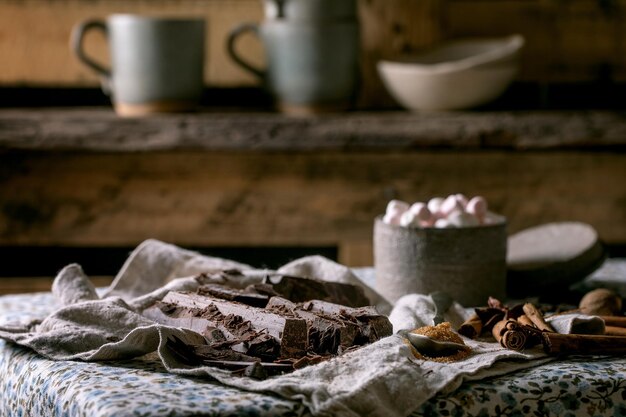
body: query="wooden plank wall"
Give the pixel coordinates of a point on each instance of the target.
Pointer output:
(212, 199)
(34, 37)
(567, 41)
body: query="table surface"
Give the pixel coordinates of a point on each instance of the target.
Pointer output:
(32, 385)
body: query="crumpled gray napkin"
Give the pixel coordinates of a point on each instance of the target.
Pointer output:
(382, 379)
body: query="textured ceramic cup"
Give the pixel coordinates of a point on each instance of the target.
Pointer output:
(310, 66)
(467, 263)
(156, 63)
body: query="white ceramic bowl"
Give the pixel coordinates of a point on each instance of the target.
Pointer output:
(456, 75)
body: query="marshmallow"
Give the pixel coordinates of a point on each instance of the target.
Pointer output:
(421, 212)
(434, 205)
(461, 199)
(449, 205)
(477, 206)
(460, 218)
(392, 218)
(442, 224)
(409, 219)
(397, 207)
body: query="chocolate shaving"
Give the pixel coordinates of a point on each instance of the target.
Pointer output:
(232, 294)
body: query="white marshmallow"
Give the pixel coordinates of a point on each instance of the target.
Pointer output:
(392, 218)
(397, 207)
(409, 219)
(421, 212)
(462, 219)
(461, 199)
(450, 204)
(434, 205)
(442, 224)
(477, 206)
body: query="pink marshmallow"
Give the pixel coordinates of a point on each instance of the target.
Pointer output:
(434, 205)
(451, 204)
(409, 219)
(478, 207)
(392, 218)
(462, 219)
(397, 207)
(421, 212)
(461, 199)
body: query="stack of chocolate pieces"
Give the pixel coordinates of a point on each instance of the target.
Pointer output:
(278, 325)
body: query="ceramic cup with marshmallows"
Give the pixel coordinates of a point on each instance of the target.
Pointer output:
(453, 244)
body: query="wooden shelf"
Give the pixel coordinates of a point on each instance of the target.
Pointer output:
(100, 130)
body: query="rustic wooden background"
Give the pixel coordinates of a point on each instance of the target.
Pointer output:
(567, 41)
(241, 181)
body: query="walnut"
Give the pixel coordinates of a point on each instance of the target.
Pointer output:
(601, 302)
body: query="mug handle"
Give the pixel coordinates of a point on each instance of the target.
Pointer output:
(230, 47)
(76, 43)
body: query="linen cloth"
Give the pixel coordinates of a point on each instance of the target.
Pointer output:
(382, 379)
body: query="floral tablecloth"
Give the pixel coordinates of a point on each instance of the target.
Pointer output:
(33, 386)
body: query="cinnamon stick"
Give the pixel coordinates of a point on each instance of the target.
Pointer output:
(510, 334)
(615, 321)
(525, 321)
(583, 344)
(489, 317)
(514, 340)
(614, 331)
(537, 318)
(472, 327)
(498, 330)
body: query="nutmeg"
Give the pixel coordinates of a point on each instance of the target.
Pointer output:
(601, 302)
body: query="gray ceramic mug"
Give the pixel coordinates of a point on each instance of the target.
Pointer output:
(310, 10)
(310, 66)
(156, 63)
